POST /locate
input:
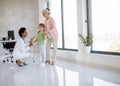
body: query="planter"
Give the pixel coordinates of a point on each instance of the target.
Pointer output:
(87, 49)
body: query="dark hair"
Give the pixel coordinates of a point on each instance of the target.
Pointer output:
(48, 9)
(21, 30)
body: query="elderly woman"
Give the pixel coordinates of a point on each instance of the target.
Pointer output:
(52, 36)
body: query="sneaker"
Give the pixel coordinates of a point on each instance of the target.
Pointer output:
(42, 64)
(18, 62)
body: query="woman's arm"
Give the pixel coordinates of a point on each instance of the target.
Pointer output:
(53, 31)
(35, 39)
(31, 42)
(52, 24)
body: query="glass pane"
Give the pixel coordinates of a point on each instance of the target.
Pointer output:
(56, 14)
(106, 25)
(70, 24)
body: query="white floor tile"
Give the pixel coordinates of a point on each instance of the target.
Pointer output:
(62, 74)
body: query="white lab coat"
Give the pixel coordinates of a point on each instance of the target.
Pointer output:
(21, 50)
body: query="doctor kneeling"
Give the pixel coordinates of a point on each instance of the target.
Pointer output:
(22, 48)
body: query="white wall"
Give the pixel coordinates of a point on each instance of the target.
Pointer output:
(18, 13)
(42, 5)
(21, 13)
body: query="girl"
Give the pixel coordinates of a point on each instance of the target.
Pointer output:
(41, 36)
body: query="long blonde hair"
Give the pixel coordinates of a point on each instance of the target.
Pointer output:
(43, 26)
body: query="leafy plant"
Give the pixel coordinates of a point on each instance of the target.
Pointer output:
(87, 41)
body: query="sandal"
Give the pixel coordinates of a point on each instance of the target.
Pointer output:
(18, 62)
(47, 62)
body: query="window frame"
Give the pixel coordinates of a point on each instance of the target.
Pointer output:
(89, 29)
(62, 22)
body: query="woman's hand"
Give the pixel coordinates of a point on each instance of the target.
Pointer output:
(31, 41)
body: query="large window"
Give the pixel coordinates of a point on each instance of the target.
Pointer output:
(70, 23)
(55, 9)
(104, 16)
(65, 14)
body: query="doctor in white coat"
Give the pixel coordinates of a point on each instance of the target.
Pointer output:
(22, 48)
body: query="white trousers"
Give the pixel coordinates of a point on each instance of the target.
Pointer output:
(49, 42)
(42, 52)
(21, 55)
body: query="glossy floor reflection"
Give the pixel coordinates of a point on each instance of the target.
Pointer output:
(62, 74)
